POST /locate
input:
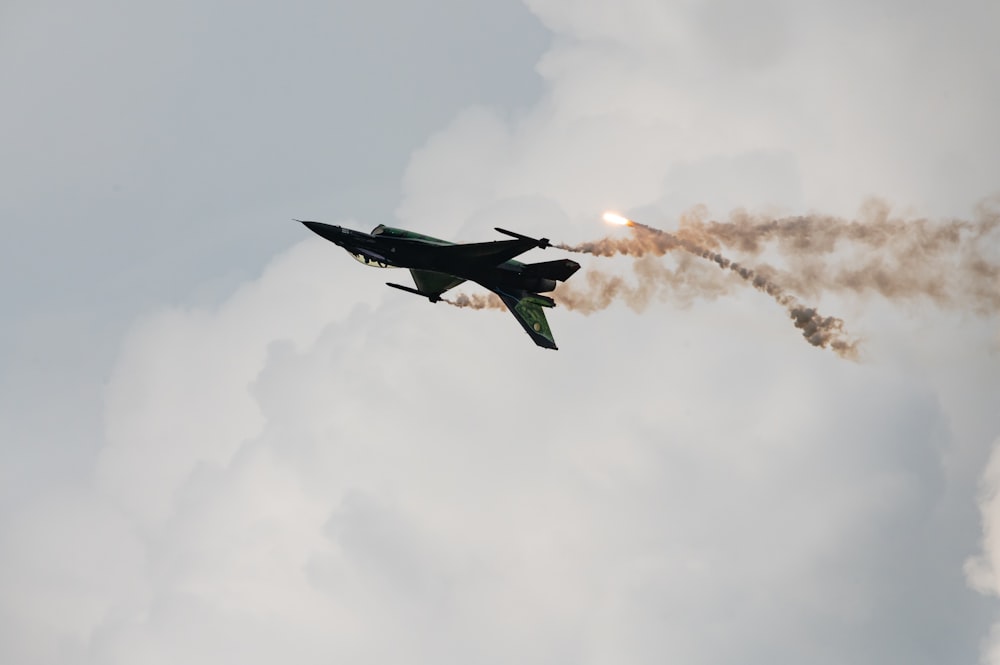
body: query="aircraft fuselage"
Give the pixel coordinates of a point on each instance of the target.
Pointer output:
(438, 265)
(388, 247)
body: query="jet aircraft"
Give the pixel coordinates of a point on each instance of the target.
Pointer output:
(438, 265)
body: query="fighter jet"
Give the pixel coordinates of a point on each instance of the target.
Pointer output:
(438, 265)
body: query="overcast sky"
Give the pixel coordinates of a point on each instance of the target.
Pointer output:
(223, 440)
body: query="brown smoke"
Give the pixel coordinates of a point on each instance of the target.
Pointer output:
(594, 290)
(476, 301)
(818, 330)
(688, 282)
(953, 263)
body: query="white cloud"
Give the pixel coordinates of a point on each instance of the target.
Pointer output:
(208, 421)
(601, 506)
(981, 570)
(319, 469)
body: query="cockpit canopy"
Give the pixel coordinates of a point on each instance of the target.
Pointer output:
(403, 234)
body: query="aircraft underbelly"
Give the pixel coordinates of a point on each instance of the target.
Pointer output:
(370, 258)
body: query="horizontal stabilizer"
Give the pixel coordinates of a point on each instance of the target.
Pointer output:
(527, 309)
(562, 269)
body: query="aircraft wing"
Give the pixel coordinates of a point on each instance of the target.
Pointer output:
(491, 253)
(434, 283)
(527, 309)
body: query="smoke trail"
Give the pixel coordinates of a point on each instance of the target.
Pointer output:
(689, 282)
(476, 301)
(684, 285)
(818, 330)
(954, 263)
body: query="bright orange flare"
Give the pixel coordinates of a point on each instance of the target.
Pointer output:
(614, 218)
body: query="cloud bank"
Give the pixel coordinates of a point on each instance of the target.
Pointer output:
(316, 470)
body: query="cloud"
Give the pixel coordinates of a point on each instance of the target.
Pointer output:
(318, 469)
(607, 505)
(981, 570)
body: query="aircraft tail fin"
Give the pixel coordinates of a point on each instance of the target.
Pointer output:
(561, 270)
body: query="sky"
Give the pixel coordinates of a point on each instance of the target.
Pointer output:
(221, 439)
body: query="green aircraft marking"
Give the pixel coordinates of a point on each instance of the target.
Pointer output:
(530, 308)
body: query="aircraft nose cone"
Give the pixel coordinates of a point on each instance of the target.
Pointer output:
(327, 231)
